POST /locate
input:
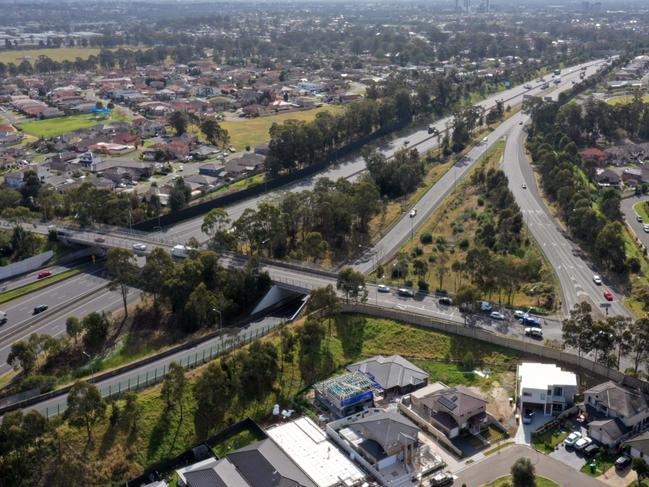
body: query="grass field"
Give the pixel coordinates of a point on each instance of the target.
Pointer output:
(30, 288)
(623, 100)
(254, 131)
(540, 482)
(56, 126)
(60, 54)
(350, 338)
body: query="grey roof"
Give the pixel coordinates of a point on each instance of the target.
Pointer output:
(206, 477)
(386, 428)
(640, 442)
(456, 400)
(389, 372)
(614, 428)
(626, 402)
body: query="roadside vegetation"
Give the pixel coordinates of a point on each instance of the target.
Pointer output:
(476, 245)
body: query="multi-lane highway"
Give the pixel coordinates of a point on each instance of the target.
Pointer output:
(574, 272)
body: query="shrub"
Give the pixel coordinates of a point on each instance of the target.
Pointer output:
(44, 383)
(426, 238)
(480, 202)
(423, 285)
(409, 283)
(417, 251)
(463, 244)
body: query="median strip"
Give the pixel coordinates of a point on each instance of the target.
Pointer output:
(35, 286)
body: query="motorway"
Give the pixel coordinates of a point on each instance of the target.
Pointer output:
(574, 272)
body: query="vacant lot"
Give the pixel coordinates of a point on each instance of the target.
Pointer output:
(254, 131)
(56, 126)
(61, 54)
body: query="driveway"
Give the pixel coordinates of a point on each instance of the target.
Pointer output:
(524, 432)
(499, 464)
(568, 456)
(618, 479)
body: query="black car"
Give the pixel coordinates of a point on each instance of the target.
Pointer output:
(445, 300)
(622, 462)
(406, 293)
(40, 308)
(591, 450)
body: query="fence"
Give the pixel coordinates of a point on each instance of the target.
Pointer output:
(566, 358)
(150, 377)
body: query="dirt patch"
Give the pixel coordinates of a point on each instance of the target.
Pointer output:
(497, 396)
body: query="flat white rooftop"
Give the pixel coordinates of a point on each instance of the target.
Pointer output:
(316, 455)
(539, 376)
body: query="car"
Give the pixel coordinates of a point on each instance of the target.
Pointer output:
(520, 123)
(572, 438)
(405, 292)
(139, 247)
(382, 288)
(181, 167)
(413, 212)
(445, 300)
(100, 239)
(497, 315)
(441, 478)
(524, 186)
(485, 306)
(528, 416)
(608, 295)
(528, 87)
(43, 274)
(591, 450)
(40, 308)
(638, 218)
(582, 443)
(645, 227)
(518, 314)
(534, 332)
(485, 140)
(597, 279)
(622, 462)
(406, 142)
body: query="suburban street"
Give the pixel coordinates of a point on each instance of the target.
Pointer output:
(574, 272)
(626, 205)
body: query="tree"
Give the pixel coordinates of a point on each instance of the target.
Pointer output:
(22, 355)
(73, 327)
(259, 370)
(310, 337)
(131, 413)
(314, 246)
(95, 328)
(173, 390)
(123, 271)
(523, 473)
(214, 133)
(201, 308)
(324, 299)
(213, 391)
(639, 341)
(180, 195)
(610, 245)
(179, 121)
(641, 468)
(216, 225)
(85, 408)
(352, 283)
(157, 269)
(577, 331)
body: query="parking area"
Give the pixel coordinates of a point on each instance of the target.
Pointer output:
(524, 431)
(568, 456)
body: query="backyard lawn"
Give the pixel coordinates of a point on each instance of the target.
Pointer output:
(254, 131)
(56, 54)
(56, 126)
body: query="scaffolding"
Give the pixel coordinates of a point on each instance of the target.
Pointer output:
(347, 389)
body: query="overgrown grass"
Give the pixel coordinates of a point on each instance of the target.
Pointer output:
(249, 132)
(7, 296)
(56, 126)
(55, 54)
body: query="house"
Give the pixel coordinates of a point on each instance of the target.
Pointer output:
(203, 152)
(545, 387)
(203, 182)
(639, 446)
(395, 375)
(594, 156)
(635, 175)
(14, 179)
(346, 394)
(210, 169)
(452, 410)
(607, 178)
(260, 464)
(617, 412)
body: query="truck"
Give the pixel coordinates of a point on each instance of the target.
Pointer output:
(557, 72)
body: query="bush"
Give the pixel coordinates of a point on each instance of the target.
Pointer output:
(423, 285)
(409, 283)
(468, 361)
(633, 264)
(480, 202)
(44, 383)
(417, 251)
(426, 238)
(464, 244)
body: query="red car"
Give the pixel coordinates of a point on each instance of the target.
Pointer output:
(43, 274)
(608, 295)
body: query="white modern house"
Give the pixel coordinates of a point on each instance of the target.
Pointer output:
(545, 387)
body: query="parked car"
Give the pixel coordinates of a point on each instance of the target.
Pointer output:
(582, 443)
(445, 300)
(382, 288)
(406, 293)
(638, 218)
(534, 332)
(518, 314)
(497, 315)
(597, 279)
(528, 416)
(608, 295)
(572, 438)
(622, 462)
(43, 274)
(441, 478)
(485, 306)
(413, 212)
(645, 227)
(40, 308)
(139, 247)
(591, 450)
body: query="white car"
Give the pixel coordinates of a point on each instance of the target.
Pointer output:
(383, 288)
(597, 279)
(572, 438)
(524, 186)
(518, 314)
(534, 332)
(413, 212)
(139, 247)
(645, 227)
(181, 167)
(497, 315)
(582, 443)
(485, 306)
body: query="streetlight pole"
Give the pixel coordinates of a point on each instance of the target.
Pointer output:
(89, 360)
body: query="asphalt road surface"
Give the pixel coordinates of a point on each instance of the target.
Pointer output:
(631, 217)
(574, 271)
